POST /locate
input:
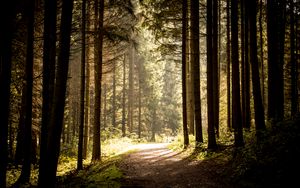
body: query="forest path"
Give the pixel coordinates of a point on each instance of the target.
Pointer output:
(156, 166)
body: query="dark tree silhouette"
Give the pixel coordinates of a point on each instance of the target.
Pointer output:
(82, 86)
(183, 73)
(57, 110)
(236, 104)
(195, 55)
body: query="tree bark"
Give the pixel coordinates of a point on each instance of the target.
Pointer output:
(49, 59)
(183, 74)
(124, 99)
(210, 37)
(228, 59)
(96, 156)
(82, 88)
(114, 97)
(196, 69)
(258, 104)
(26, 168)
(57, 111)
(236, 104)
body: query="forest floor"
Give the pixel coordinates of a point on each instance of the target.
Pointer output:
(156, 166)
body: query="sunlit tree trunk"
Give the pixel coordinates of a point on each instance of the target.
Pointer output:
(139, 102)
(130, 88)
(124, 99)
(114, 96)
(189, 74)
(228, 59)
(87, 88)
(104, 105)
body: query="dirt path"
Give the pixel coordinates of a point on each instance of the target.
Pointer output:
(155, 166)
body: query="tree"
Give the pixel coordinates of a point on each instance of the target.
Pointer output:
(236, 104)
(26, 167)
(245, 66)
(131, 53)
(87, 87)
(8, 11)
(49, 56)
(183, 74)
(275, 33)
(96, 156)
(82, 88)
(258, 104)
(212, 71)
(195, 55)
(123, 98)
(228, 59)
(47, 179)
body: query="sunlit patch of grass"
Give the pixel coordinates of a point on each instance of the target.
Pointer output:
(116, 146)
(67, 163)
(201, 152)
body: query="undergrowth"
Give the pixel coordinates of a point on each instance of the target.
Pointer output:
(111, 148)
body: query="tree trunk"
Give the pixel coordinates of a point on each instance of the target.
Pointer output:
(275, 67)
(196, 68)
(258, 105)
(189, 74)
(215, 58)
(262, 52)
(87, 88)
(26, 168)
(104, 105)
(236, 104)
(81, 125)
(49, 59)
(211, 79)
(114, 96)
(130, 89)
(140, 103)
(96, 156)
(57, 112)
(183, 74)
(123, 98)
(228, 59)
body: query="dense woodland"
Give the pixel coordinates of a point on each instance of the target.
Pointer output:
(75, 74)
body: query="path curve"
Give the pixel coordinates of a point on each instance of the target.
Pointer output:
(156, 166)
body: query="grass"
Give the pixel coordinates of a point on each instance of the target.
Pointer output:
(112, 149)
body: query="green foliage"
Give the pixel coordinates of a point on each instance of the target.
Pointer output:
(102, 174)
